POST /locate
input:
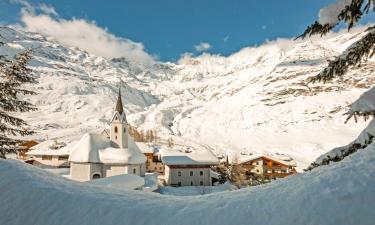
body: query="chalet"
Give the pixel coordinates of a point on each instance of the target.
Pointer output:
(49, 153)
(96, 156)
(188, 167)
(152, 153)
(25, 148)
(269, 166)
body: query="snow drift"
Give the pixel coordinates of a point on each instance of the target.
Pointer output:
(341, 193)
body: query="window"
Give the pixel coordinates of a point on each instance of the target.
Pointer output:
(257, 163)
(179, 173)
(95, 176)
(63, 158)
(115, 137)
(46, 157)
(134, 170)
(124, 129)
(179, 183)
(201, 173)
(191, 173)
(201, 183)
(155, 158)
(191, 183)
(115, 129)
(257, 171)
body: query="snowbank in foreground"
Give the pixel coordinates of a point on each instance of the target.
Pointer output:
(342, 193)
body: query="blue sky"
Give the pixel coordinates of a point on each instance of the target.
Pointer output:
(170, 28)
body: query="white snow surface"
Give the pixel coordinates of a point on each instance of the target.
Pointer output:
(95, 148)
(121, 182)
(365, 103)
(253, 101)
(341, 193)
(121, 156)
(87, 149)
(188, 157)
(48, 147)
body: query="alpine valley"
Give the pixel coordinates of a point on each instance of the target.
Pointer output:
(254, 101)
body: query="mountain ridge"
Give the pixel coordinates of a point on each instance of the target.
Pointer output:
(255, 100)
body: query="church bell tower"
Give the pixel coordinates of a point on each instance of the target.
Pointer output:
(119, 126)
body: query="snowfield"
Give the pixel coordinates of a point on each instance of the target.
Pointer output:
(253, 101)
(341, 193)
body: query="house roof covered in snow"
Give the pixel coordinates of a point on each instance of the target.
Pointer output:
(95, 148)
(147, 148)
(188, 157)
(49, 147)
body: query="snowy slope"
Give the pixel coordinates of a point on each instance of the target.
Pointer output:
(255, 100)
(342, 193)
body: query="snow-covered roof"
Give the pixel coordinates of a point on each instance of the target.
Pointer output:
(123, 182)
(188, 157)
(95, 148)
(121, 156)
(49, 147)
(147, 147)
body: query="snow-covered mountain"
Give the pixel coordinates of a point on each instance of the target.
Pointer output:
(255, 100)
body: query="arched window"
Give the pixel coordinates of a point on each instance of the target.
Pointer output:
(96, 176)
(115, 129)
(124, 129)
(134, 170)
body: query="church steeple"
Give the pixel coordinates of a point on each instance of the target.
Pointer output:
(119, 108)
(119, 129)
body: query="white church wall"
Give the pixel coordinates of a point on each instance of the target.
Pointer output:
(113, 170)
(80, 171)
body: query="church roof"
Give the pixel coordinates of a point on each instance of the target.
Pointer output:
(119, 108)
(94, 148)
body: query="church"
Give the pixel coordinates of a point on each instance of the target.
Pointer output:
(96, 156)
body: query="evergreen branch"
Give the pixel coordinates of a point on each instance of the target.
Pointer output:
(316, 28)
(14, 121)
(351, 14)
(352, 56)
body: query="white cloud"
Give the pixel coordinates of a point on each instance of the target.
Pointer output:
(264, 27)
(47, 9)
(226, 38)
(329, 14)
(203, 46)
(81, 33)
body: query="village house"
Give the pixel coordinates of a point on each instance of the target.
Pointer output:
(49, 153)
(188, 167)
(96, 156)
(269, 166)
(25, 148)
(152, 153)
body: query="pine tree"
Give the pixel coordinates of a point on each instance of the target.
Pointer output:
(13, 75)
(170, 142)
(237, 173)
(353, 56)
(361, 50)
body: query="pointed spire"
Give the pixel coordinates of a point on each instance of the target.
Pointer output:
(119, 107)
